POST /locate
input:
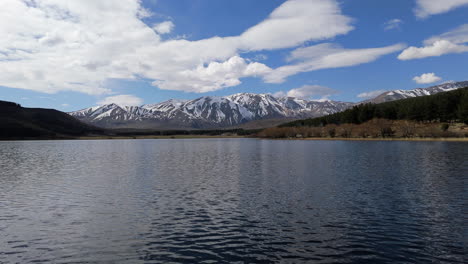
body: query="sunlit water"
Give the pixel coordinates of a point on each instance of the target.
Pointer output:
(228, 200)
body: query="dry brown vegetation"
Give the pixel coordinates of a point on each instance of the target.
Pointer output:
(375, 128)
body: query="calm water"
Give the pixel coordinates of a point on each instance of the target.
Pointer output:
(228, 200)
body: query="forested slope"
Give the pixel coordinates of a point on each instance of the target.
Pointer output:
(441, 107)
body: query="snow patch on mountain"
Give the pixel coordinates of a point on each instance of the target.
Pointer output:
(403, 94)
(236, 109)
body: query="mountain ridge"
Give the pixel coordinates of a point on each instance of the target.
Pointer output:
(393, 95)
(207, 111)
(233, 110)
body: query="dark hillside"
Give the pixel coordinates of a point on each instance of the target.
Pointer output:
(20, 122)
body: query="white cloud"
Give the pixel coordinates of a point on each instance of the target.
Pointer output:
(393, 24)
(453, 41)
(326, 56)
(214, 76)
(438, 48)
(426, 8)
(55, 45)
(295, 22)
(309, 91)
(427, 78)
(371, 94)
(123, 100)
(164, 27)
(458, 35)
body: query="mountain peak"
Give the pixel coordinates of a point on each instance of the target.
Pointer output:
(232, 110)
(403, 94)
(206, 111)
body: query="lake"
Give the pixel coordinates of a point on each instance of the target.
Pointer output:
(233, 200)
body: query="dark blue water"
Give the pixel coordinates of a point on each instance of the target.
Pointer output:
(233, 200)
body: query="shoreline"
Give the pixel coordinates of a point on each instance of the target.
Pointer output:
(375, 139)
(156, 137)
(120, 138)
(464, 139)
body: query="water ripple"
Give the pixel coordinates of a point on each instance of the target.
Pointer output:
(232, 201)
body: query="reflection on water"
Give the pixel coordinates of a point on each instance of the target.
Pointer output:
(226, 200)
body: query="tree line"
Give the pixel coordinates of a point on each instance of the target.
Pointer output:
(208, 132)
(449, 106)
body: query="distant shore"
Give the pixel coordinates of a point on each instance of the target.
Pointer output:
(157, 137)
(121, 137)
(376, 139)
(454, 139)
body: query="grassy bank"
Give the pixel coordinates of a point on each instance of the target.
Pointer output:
(465, 139)
(373, 129)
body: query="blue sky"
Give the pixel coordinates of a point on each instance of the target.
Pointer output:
(72, 56)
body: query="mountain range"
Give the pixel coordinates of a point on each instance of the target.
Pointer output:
(404, 94)
(237, 110)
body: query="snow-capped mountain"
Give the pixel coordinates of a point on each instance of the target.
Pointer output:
(232, 110)
(112, 111)
(403, 94)
(208, 111)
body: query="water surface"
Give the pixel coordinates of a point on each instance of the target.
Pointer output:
(228, 200)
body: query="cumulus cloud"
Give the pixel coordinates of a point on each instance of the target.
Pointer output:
(453, 41)
(326, 56)
(393, 24)
(123, 100)
(308, 91)
(214, 76)
(54, 45)
(164, 27)
(426, 8)
(371, 94)
(427, 78)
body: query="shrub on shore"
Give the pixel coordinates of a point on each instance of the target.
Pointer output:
(375, 128)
